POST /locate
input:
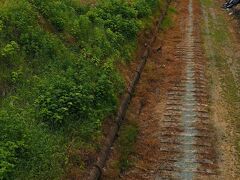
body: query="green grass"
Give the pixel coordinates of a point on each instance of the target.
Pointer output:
(168, 22)
(126, 143)
(219, 36)
(207, 3)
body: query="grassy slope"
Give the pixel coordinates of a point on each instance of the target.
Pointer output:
(59, 80)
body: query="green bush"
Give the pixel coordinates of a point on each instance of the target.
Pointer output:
(17, 17)
(1, 25)
(20, 25)
(12, 144)
(26, 151)
(143, 8)
(59, 13)
(117, 16)
(126, 142)
(77, 96)
(8, 52)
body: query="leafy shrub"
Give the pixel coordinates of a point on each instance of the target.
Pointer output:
(9, 50)
(82, 29)
(62, 100)
(82, 98)
(126, 142)
(27, 148)
(12, 144)
(1, 25)
(117, 16)
(57, 12)
(21, 26)
(153, 3)
(80, 8)
(38, 44)
(17, 76)
(143, 8)
(58, 23)
(17, 17)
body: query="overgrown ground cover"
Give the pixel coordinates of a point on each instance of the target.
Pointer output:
(58, 79)
(221, 46)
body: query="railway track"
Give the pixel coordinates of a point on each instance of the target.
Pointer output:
(177, 140)
(187, 147)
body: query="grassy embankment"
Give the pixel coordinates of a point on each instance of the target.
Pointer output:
(59, 81)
